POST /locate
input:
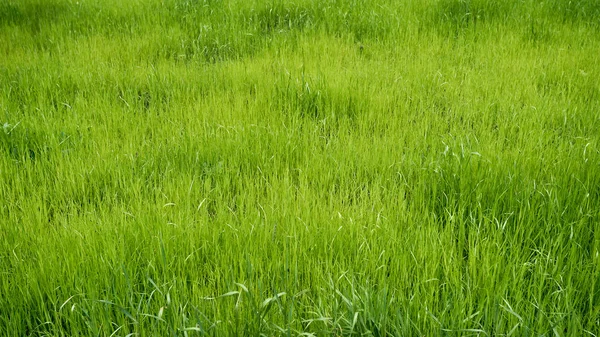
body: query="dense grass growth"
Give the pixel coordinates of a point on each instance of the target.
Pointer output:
(337, 167)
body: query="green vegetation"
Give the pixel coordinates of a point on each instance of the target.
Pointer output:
(308, 167)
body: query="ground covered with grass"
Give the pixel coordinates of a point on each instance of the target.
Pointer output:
(330, 167)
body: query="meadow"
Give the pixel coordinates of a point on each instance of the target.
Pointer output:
(299, 168)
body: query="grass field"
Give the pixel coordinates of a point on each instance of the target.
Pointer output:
(299, 168)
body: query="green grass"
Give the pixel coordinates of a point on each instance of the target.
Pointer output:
(337, 167)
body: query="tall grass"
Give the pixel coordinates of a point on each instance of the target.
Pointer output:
(332, 167)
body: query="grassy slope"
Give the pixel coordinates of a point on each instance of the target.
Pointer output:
(403, 169)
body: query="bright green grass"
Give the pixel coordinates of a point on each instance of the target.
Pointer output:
(407, 168)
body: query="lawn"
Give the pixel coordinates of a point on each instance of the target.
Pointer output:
(299, 168)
